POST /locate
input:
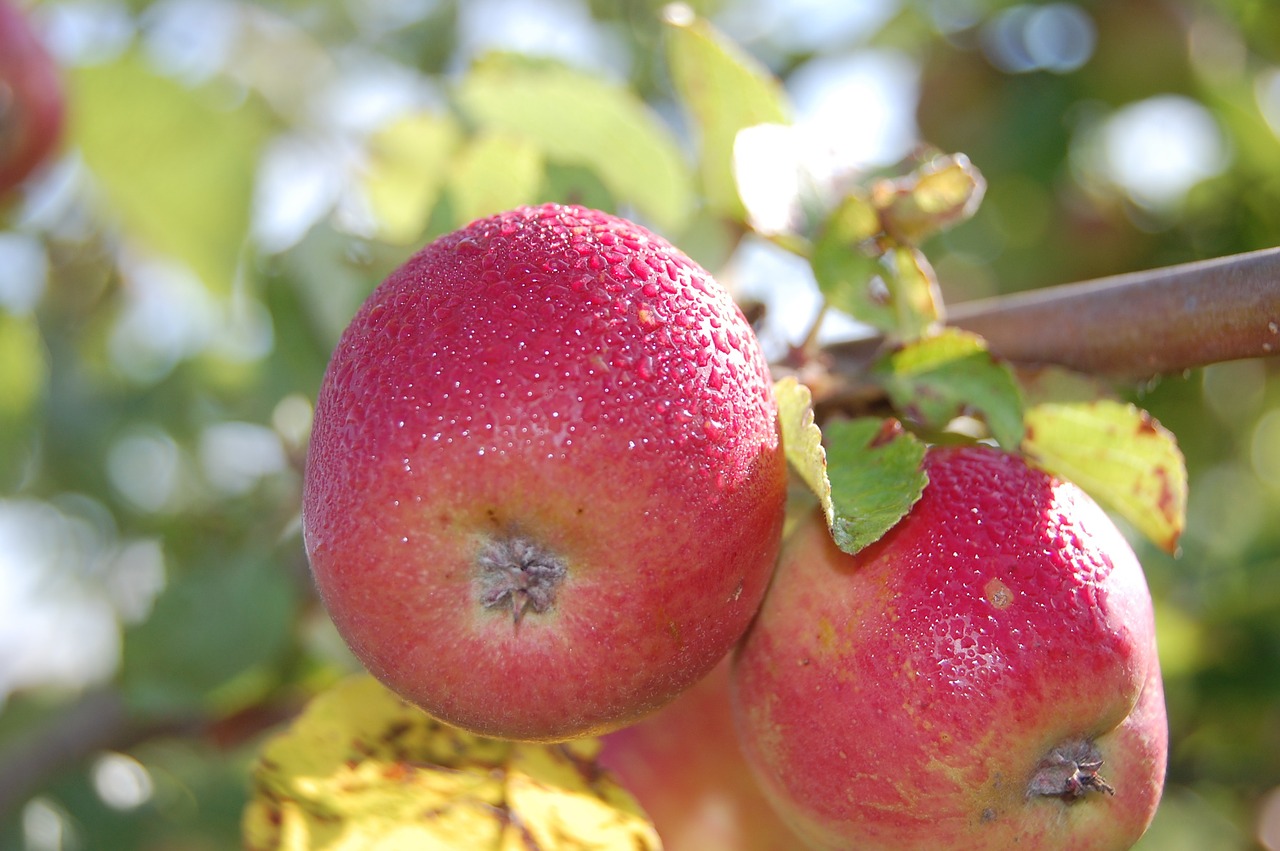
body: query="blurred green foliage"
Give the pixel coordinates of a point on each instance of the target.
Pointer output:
(219, 214)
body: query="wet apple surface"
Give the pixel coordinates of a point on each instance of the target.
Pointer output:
(984, 675)
(544, 491)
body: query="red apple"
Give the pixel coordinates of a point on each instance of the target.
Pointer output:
(544, 490)
(31, 99)
(983, 677)
(685, 767)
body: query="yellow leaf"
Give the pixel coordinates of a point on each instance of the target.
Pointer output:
(362, 769)
(175, 164)
(495, 172)
(1118, 454)
(408, 162)
(26, 368)
(578, 119)
(802, 440)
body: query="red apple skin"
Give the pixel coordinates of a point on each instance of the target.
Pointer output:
(549, 386)
(904, 698)
(684, 766)
(31, 99)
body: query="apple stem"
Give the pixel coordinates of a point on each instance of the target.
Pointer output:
(517, 573)
(1069, 771)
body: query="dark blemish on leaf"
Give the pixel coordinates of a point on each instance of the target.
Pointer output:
(396, 730)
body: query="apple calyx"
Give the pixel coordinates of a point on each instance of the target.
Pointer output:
(1069, 772)
(518, 573)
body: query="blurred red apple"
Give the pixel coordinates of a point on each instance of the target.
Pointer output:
(685, 767)
(983, 677)
(31, 99)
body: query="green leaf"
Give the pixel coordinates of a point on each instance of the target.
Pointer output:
(935, 379)
(494, 173)
(847, 265)
(210, 637)
(874, 469)
(578, 119)
(409, 160)
(875, 473)
(724, 90)
(361, 768)
(1118, 454)
(890, 287)
(176, 164)
(913, 292)
(868, 476)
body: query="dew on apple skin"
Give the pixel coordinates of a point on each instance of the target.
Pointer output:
(608, 308)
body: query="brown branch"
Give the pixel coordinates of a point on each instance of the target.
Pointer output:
(1133, 326)
(98, 721)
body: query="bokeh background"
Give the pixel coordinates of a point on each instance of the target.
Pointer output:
(237, 176)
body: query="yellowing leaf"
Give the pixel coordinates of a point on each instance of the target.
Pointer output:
(578, 119)
(802, 440)
(494, 173)
(724, 90)
(1118, 454)
(934, 197)
(408, 162)
(362, 770)
(177, 166)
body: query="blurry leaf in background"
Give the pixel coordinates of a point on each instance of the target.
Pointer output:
(408, 163)
(1119, 455)
(360, 768)
(847, 265)
(577, 119)
(175, 164)
(24, 369)
(929, 379)
(725, 90)
(212, 637)
(496, 172)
